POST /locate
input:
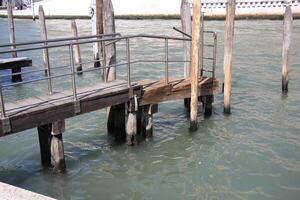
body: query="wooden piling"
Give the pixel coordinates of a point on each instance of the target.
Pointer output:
(147, 120)
(228, 44)
(207, 105)
(57, 147)
(97, 26)
(117, 122)
(131, 124)
(12, 40)
(287, 35)
(44, 36)
(44, 133)
(194, 65)
(76, 48)
(186, 24)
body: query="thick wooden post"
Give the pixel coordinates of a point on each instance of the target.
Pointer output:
(46, 62)
(110, 50)
(57, 147)
(97, 29)
(207, 105)
(76, 48)
(147, 120)
(194, 65)
(44, 133)
(186, 23)
(12, 40)
(131, 124)
(228, 43)
(116, 123)
(287, 35)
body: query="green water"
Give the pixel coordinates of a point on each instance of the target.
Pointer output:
(251, 154)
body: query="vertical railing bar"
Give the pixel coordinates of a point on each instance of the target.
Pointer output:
(166, 61)
(215, 54)
(104, 62)
(3, 112)
(73, 72)
(128, 62)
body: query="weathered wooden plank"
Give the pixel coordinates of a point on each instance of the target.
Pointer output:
(14, 63)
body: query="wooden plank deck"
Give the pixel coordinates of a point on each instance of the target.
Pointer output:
(41, 110)
(15, 63)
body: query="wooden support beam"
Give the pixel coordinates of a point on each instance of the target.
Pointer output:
(196, 26)
(116, 123)
(12, 39)
(228, 43)
(44, 133)
(76, 48)
(287, 35)
(57, 147)
(207, 104)
(186, 24)
(147, 120)
(131, 124)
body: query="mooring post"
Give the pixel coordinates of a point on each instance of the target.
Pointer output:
(44, 133)
(16, 72)
(228, 44)
(76, 49)
(287, 35)
(32, 9)
(186, 23)
(207, 105)
(46, 62)
(115, 114)
(57, 147)
(147, 120)
(131, 124)
(195, 62)
(97, 29)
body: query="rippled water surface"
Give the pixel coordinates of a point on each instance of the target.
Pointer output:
(252, 154)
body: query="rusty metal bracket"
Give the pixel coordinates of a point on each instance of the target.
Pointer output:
(6, 125)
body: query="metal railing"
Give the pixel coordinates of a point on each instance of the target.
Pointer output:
(105, 40)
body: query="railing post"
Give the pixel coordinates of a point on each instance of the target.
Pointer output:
(166, 61)
(215, 55)
(104, 70)
(73, 73)
(128, 62)
(3, 113)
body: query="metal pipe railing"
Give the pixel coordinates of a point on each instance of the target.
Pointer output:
(166, 62)
(73, 72)
(109, 41)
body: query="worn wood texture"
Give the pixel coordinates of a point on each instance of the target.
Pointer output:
(44, 36)
(186, 24)
(147, 120)
(196, 27)
(110, 50)
(97, 29)
(155, 92)
(287, 37)
(57, 147)
(36, 111)
(228, 45)
(44, 133)
(207, 104)
(12, 39)
(76, 48)
(131, 124)
(116, 123)
(14, 63)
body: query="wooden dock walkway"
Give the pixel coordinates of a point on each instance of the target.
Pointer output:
(40, 110)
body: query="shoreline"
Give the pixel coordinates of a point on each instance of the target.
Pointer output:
(162, 17)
